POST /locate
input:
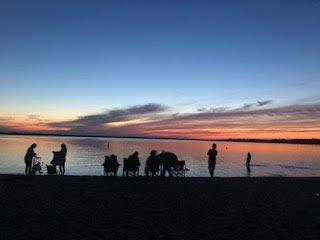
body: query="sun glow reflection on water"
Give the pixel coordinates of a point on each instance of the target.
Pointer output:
(85, 155)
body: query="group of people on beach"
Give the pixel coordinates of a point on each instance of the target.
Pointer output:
(60, 159)
(164, 162)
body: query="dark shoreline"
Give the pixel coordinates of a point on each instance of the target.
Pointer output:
(278, 141)
(83, 207)
(157, 178)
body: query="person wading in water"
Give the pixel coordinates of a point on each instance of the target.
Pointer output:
(212, 153)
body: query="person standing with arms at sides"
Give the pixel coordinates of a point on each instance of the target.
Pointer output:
(248, 159)
(212, 153)
(63, 154)
(28, 158)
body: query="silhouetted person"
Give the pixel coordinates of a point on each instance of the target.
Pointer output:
(167, 161)
(63, 154)
(212, 153)
(152, 165)
(59, 158)
(28, 158)
(133, 162)
(111, 165)
(248, 159)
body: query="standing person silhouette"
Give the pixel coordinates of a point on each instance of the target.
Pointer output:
(212, 153)
(248, 162)
(63, 154)
(30, 154)
(248, 159)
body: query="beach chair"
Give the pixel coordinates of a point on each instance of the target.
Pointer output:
(111, 165)
(36, 165)
(56, 158)
(51, 169)
(179, 169)
(153, 168)
(130, 168)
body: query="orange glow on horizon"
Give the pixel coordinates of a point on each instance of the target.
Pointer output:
(143, 127)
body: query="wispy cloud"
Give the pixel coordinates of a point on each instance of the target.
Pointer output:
(301, 120)
(112, 116)
(314, 99)
(251, 120)
(303, 111)
(263, 103)
(246, 106)
(5, 119)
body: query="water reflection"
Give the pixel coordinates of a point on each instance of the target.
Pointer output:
(85, 155)
(248, 170)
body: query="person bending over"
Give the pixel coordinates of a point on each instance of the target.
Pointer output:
(29, 157)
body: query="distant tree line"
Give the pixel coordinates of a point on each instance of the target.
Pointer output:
(293, 141)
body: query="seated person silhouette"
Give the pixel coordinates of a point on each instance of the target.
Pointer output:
(131, 164)
(111, 165)
(152, 165)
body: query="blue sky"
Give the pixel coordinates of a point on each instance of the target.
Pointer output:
(76, 58)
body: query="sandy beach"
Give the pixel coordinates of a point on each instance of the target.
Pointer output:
(67, 207)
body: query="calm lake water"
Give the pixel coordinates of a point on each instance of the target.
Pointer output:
(85, 155)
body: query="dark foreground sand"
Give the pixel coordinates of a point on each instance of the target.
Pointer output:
(68, 207)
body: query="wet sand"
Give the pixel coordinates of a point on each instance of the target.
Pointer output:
(55, 207)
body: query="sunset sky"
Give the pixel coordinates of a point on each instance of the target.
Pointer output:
(190, 69)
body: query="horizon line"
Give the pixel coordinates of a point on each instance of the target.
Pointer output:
(311, 141)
